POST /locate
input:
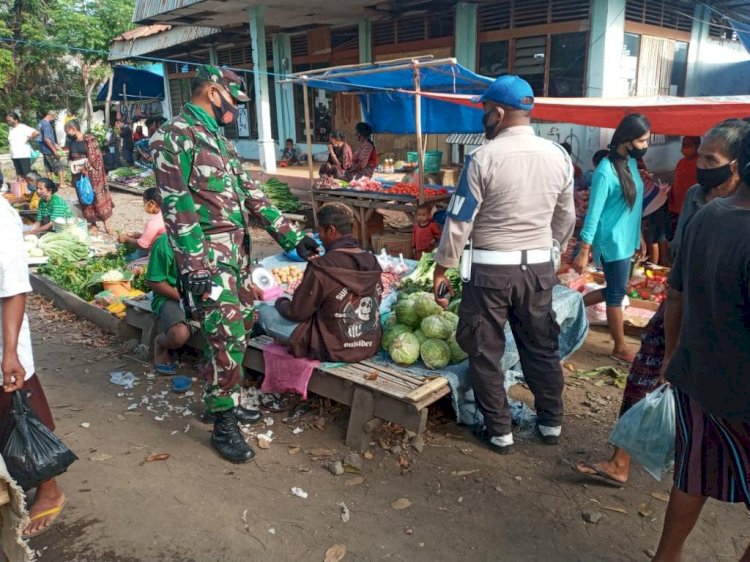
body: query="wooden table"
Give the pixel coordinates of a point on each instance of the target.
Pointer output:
(365, 203)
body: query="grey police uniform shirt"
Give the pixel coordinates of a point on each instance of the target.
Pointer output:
(515, 193)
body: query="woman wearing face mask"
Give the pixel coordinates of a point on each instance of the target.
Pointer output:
(717, 177)
(85, 158)
(613, 223)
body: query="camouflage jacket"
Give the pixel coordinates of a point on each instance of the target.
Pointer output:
(204, 189)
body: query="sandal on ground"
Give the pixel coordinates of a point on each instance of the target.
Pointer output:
(166, 368)
(598, 474)
(54, 513)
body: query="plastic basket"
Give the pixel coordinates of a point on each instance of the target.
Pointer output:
(432, 160)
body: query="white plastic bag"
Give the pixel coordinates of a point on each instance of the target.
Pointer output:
(647, 431)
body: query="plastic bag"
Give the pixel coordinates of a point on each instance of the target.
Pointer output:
(647, 431)
(32, 453)
(85, 190)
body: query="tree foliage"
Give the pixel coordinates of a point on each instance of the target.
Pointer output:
(34, 74)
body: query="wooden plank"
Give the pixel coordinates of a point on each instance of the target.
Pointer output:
(362, 411)
(366, 370)
(432, 397)
(425, 390)
(358, 377)
(411, 378)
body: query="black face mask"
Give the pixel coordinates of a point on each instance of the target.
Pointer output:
(226, 113)
(711, 178)
(490, 131)
(637, 152)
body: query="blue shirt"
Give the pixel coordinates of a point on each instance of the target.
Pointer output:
(611, 226)
(46, 131)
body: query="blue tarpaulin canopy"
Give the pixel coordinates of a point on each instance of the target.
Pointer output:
(389, 110)
(137, 83)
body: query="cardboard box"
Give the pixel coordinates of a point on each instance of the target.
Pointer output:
(394, 244)
(648, 305)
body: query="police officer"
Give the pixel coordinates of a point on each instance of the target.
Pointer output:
(206, 198)
(515, 197)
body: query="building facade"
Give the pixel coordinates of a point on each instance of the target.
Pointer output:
(564, 48)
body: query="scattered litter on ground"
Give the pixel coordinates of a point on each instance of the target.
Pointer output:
(661, 496)
(615, 376)
(353, 460)
(268, 421)
(85, 425)
(336, 468)
(646, 510)
(335, 554)
(157, 457)
(98, 456)
(616, 509)
(409, 531)
(345, 514)
(299, 492)
(356, 481)
(125, 379)
(293, 450)
(401, 503)
(271, 531)
(264, 439)
(464, 472)
(297, 430)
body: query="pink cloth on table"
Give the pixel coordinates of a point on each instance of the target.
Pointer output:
(153, 228)
(285, 372)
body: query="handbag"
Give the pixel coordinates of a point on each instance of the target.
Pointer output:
(32, 453)
(85, 190)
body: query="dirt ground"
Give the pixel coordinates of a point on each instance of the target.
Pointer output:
(464, 502)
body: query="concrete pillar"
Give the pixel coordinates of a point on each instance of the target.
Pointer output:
(282, 65)
(604, 75)
(365, 41)
(213, 56)
(606, 41)
(266, 145)
(465, 37)
(698, 38)
(167, 103)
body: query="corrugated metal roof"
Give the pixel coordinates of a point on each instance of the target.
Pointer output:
(143, 31)
(475, 139)
(145, 44)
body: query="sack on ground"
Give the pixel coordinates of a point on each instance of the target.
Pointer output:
(647, 431)
(85, 190)
(32, 453)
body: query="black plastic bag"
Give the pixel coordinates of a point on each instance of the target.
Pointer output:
(32, 453)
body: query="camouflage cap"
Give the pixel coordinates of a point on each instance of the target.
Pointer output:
(225, 77)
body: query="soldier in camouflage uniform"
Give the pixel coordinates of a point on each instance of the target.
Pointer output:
(206, 198)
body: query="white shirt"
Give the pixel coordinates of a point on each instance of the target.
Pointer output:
(18, 139)
(14, 278)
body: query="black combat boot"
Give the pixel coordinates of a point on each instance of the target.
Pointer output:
(227, 439)
(244, 416)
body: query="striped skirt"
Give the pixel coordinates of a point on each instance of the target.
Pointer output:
(712, 454)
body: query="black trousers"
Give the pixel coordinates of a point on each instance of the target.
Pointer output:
(521, 295)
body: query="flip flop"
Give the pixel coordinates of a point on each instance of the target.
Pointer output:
(622, 361)
(599, 475)
(54, 511)
(166, 368)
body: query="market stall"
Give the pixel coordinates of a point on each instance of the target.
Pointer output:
(388, 109)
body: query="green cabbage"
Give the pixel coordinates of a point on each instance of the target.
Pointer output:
(453, 306)
(425, 305)
(420, 336)
(390, 334)
(457, 354)
(435, 353)
(436, 326)
(405, 349)
(452, 319)
(406, 313)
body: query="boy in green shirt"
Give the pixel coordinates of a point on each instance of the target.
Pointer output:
(161, 278)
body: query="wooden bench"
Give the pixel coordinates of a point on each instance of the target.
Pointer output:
(391, 395)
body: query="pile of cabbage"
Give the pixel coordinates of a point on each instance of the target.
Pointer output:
(419, 328)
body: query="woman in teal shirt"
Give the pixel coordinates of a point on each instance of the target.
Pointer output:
(613, 223)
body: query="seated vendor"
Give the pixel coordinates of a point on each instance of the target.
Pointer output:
(161, 278)
(337, 304)
(290, 154)
(51, 207)
(365, 158)
(141, 242)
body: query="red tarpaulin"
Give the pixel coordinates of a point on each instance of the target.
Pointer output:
(668, 115)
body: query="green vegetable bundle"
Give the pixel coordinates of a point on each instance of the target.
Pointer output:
(421, 278)
(123, 173)
(148, 181)
(64, 246)
(280, 195)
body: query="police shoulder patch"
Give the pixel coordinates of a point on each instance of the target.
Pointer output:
(463, 204)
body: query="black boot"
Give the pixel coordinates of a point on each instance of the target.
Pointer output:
(227, 439)
(243, 415)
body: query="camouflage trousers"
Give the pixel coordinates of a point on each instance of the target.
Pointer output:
(227, 320)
